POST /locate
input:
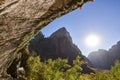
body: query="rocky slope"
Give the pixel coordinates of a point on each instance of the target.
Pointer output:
(22, 19)
(59, 44)
(105, 59)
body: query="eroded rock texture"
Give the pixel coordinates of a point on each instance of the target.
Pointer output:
(22, 19)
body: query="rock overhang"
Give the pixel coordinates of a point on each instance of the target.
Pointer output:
(22, 19)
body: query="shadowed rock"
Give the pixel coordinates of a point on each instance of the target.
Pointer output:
(105, 59)
(58, 45)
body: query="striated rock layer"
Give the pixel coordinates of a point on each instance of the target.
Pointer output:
(22, 19)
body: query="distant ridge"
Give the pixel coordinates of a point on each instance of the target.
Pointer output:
(105, 59)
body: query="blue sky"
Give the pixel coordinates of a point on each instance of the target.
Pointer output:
(101, 17)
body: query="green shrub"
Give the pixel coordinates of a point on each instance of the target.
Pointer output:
(52, 69)
(116, 70)
(59, 69)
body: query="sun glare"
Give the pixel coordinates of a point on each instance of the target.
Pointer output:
(92, 40)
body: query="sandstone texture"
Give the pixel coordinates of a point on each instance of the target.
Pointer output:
(22, 19)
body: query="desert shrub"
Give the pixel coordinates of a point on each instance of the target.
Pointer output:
(59, 69)
(53, 69)
(116, 70)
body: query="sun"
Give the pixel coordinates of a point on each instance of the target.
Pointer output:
(92, 40)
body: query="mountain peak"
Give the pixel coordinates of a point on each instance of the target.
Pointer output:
(60, 33)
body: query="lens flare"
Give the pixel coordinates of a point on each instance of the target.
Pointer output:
(92, 40)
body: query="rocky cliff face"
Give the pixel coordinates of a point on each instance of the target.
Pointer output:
(22, 19)
(59, 44)
(105, 59)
